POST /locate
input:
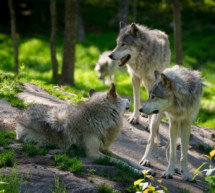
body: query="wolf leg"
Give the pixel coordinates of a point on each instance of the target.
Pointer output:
(132, 164)
(136, 92)
(173, 129)
(185, 136)
(155, 121)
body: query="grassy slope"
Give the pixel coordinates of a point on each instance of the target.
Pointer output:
(198, 41)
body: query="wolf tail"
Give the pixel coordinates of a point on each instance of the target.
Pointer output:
(32, 120)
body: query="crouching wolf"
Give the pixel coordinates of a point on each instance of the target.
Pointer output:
(105, 67)
(144, 51)
(177, 93)
(94, 125)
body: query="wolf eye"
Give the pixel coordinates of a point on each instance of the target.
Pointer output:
(122, 44)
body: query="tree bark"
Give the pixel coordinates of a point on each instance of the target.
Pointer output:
(134, 11)
(177, 32)
(81, 31)
(13, 33)
(53, 40)
(123, 10)
(69, 42)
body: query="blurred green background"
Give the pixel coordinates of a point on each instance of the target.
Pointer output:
(101, 28)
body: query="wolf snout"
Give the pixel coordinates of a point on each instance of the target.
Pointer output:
(141, 110)
(111, 56)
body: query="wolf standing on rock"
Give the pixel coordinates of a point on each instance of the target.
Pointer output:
(94, 125)
(145, 51)
(176, 92)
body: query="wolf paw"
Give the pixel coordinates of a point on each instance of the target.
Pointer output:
(167, 175)
(188, 177)
(145, 162)
(178, 170)
(133, 119)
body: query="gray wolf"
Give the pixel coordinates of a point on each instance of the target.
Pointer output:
(176, 92)
(144, 51)
(105, 67)
(93, 125)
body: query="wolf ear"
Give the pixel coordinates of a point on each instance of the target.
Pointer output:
(92, 92)
(122, 24)
(167, 81)
(156, 73)
(135, 30)
(112, 92)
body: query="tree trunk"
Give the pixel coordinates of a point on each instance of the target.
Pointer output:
(13, 33)
(134, 11)
(177, 32)
(81, 31)
(53, 41)
(69, 42)
(123, 10)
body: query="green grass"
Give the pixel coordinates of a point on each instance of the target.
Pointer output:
(31, 149)
(6, 158)
(12, 182)
(105, 188)
(59, 188)
(6, 137)
(10, 85)
(63, 162)
(76, 151)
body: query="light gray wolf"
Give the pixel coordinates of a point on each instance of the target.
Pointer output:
(144, 51)
(93, 125)
(105, 67)
(176, 92)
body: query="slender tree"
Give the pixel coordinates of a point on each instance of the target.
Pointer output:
(123, 10)
(13, 33)
(177, 32)
(134, 10)
(53, 41)
(81, 31)
(69, 42)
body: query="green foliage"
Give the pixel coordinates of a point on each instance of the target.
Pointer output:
(6, 137)
(6, 158)
(11, 183)
(31, 149)
(210, 178)
(58, 188)
(105, 188)
(91, 171)
(10, 85)
(76, 151)
(206, 149)
(63, 162)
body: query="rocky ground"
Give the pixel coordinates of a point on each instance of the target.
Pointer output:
(131, 144)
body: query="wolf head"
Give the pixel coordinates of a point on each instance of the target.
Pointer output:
(161, 95)
(110, 99)
(130, 38)
(102, 70)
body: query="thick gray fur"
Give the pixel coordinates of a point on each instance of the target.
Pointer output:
(176, 92)
(149, 50)
(94, 125)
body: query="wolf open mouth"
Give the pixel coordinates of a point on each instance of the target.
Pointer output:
(124, 60)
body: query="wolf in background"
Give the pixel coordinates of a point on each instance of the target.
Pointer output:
(94, 125)
(176, 92)
(105, 67)
(144, 51)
